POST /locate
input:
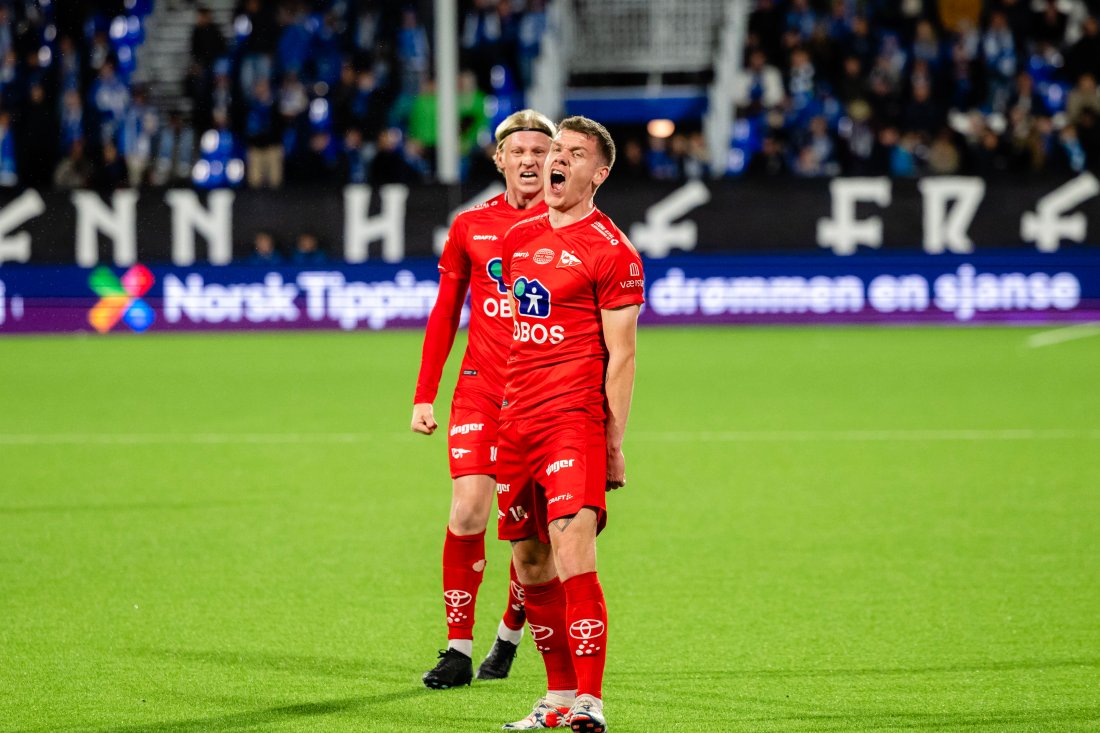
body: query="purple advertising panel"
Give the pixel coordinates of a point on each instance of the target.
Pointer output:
(695, 289)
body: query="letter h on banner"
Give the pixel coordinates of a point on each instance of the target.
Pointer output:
(389, 225)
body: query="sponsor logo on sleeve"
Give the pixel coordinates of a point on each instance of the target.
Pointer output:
(636, 280)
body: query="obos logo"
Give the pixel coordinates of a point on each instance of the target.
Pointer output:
(532, 297)
(495, 268)
(458, 598)
(533, 300)
(494, 307)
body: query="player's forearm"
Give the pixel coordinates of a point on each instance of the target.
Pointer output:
(439, 337)
(619, 387)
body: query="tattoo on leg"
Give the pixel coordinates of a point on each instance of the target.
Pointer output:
(561, 524)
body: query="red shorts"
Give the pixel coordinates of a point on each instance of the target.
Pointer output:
(549, 468)
(472, 434)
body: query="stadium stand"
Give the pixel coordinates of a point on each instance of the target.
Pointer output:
(114, 93)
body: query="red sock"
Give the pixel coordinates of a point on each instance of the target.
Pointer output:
(586, 616)
(545, 604)
(463, 563)
(514, 615)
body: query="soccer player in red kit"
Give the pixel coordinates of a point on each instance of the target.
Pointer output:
(471, 261)
(577, 287)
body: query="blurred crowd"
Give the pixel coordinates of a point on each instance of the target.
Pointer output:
(344, 90)
(301, 91)
(918, 87)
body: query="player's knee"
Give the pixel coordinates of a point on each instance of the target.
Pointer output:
(533, 561)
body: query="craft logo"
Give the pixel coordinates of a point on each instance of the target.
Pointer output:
(120, 299)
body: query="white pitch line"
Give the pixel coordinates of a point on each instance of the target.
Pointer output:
(1061, 335)
(858, 436)
(181, 438)
(732, 436)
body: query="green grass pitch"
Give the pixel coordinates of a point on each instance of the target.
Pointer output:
(824, 530)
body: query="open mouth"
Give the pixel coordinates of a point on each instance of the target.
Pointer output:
(557, 181)
(529, 176)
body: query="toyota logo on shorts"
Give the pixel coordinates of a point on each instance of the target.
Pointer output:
(538, 633)
(517, 590)
(586, 628)
(456, 598)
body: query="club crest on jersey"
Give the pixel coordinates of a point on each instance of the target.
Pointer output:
(532, 297)
(568, 259)
(544, 256)
(495, 268)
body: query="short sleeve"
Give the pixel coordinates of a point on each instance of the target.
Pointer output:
(620, 280)
(455, 260)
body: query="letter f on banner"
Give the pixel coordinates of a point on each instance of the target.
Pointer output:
(843, 232)
(17, 247)
(1047, 227)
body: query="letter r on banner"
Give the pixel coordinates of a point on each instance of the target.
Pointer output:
(944, 229)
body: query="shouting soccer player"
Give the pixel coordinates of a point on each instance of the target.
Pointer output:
(576, 286)
(471, 261)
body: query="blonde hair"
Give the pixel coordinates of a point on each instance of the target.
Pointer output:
(526, 120)
(593, 129)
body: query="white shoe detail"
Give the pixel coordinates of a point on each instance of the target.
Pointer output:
(543, 716)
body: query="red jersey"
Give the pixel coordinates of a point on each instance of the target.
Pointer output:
(561, 279)
(472, 255)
